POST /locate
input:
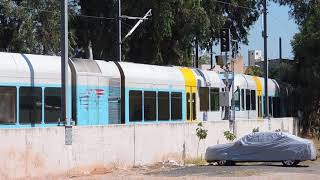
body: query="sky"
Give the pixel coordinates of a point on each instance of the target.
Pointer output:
(280, 24)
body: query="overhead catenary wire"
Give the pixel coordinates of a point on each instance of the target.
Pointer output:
(115, 18)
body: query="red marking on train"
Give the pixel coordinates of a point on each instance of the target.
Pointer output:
(99, 92)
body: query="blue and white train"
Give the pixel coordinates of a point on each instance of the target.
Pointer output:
(102, 92)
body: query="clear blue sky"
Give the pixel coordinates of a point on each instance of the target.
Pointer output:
(280, 24)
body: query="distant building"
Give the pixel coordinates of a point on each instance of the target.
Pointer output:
(272, 63)
(221, 63)
(239, 65)
(254, 56)
(216, 68)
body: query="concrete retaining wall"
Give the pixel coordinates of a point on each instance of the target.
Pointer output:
(40, 151)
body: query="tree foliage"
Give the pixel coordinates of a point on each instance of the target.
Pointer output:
(304, 75)
(167, 37)
(24, 29)
(254, 71)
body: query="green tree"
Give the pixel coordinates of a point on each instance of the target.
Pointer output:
(168, 37)
(29, 26)
(306, 47)
(304, 74)
(254, 71)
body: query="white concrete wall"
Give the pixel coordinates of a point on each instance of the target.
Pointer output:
(36, 152)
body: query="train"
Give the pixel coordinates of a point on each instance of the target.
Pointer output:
(110, 92)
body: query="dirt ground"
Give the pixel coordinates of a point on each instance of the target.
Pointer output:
(309, 170)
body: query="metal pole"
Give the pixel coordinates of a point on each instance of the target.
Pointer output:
(280, 49)
(197, 53)
(119, 31)
(227, 108)
(211, 56)
(233, 100)
(265, 37)
(64, 61)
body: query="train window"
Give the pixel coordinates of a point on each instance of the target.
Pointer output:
(150, 106)
(276, 107)
(248, 100)
(30, 105)
(176, 106)
(8, 105)
(194, 114)
(135, 106)
(52, 105)
(270, 106)
(163, 106)
(204, 98)
(253, 100)
(242, 100)
(188, 106)
(214, 99)
(237, 100)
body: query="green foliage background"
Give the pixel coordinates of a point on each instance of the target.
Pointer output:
(166, 38)
(302, 78)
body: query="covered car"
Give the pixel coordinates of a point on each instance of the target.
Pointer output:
(263, 147)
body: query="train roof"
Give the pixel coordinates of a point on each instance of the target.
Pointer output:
(152, 76)
(25, 67)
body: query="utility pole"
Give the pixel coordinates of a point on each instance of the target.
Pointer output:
(280, 49)
(265, 38)
(64, 60)
(119, 31)
(197, 53)
(211, 56)
(64, 71)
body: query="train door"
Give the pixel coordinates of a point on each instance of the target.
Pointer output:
(191, 90)
(194, 108)
(188, 103)
(114, 100)
(259, 105)
(191, 104)
(259, 95)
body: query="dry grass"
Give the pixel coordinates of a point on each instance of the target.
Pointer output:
(199, 161)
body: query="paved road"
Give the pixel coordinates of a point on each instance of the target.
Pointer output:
(241, 170)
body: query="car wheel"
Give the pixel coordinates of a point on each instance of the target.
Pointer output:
(222, 162)
(290, 163)
(225, 163)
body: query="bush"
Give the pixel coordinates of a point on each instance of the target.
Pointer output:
(229, 135)
(255, 130)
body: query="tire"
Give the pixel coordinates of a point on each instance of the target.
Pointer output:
(290, 163)
(225, 163)
(222, 162)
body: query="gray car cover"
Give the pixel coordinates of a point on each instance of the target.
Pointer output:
(264, 146)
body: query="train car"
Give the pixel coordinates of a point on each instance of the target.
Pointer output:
(151, 94)
(209, 86)
(93, 86)
(30, 88)
(249, 97)
(102, 92)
